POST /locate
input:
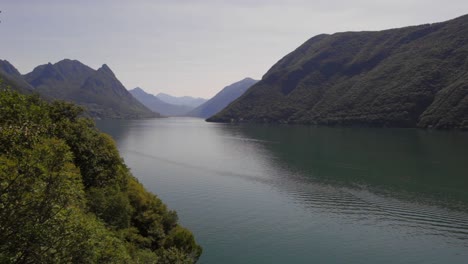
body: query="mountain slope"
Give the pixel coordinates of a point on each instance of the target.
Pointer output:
(408, 77)
(158, 105)
(97, 90)
(12, 77)
(222, 99)
(183, 100)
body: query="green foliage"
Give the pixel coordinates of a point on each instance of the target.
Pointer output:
(111, 205)
(173, 255)
(182, 239)
(67, 197)
(407, 77)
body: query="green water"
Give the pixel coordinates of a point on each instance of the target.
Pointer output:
(294, 194)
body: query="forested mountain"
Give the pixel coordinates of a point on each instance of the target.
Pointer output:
(158, 105)
(182, 100)
(223, 98)
(409, 77)
(67, 197)
(99, 91)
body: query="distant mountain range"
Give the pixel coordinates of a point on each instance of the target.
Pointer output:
(222, 99)
(409, 77)
(99, 91)
(168, 105)
(160, 106)
(104, 96)
(183, 100)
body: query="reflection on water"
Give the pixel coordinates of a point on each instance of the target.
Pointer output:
(430, 163)
(390, 177)
(292, 194)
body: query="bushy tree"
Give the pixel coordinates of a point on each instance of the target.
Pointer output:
(67, 197)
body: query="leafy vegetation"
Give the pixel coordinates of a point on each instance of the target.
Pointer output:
(67, 197)
(408, 77)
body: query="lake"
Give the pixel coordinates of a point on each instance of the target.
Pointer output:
(298, 194)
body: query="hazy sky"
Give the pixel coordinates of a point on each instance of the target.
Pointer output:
(191, 47)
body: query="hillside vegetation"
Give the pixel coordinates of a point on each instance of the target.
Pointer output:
(67, 197)
(408, 77)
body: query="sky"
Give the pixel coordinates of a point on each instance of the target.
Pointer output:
(191, 47)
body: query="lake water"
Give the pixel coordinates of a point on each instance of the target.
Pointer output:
(296, 194)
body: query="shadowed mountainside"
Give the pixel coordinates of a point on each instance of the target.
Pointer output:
(11, 76)
(99, 91)
(409, 77)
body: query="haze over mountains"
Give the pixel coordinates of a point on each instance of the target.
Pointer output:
(222, 99)
(182, 100)
(160, 106)
(409, 77)
(188, 106)
(104, 96)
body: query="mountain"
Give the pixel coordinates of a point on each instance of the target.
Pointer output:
(98, 90)
(183, 100)
(409, 77)
(158, 105)
(222, 99)
(13, 77)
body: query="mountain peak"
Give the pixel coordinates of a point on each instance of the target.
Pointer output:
(8, 68)
(68, 61)
(163, 94)
(4, 62)
(354, 79)
(104, 68)
(138, 90)
(97, 90)
(11, 76)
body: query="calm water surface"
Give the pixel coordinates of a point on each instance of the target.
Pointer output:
(293, 194)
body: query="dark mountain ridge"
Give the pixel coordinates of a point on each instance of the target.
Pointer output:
(409, 77)
(12, 77)
(99, 91)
